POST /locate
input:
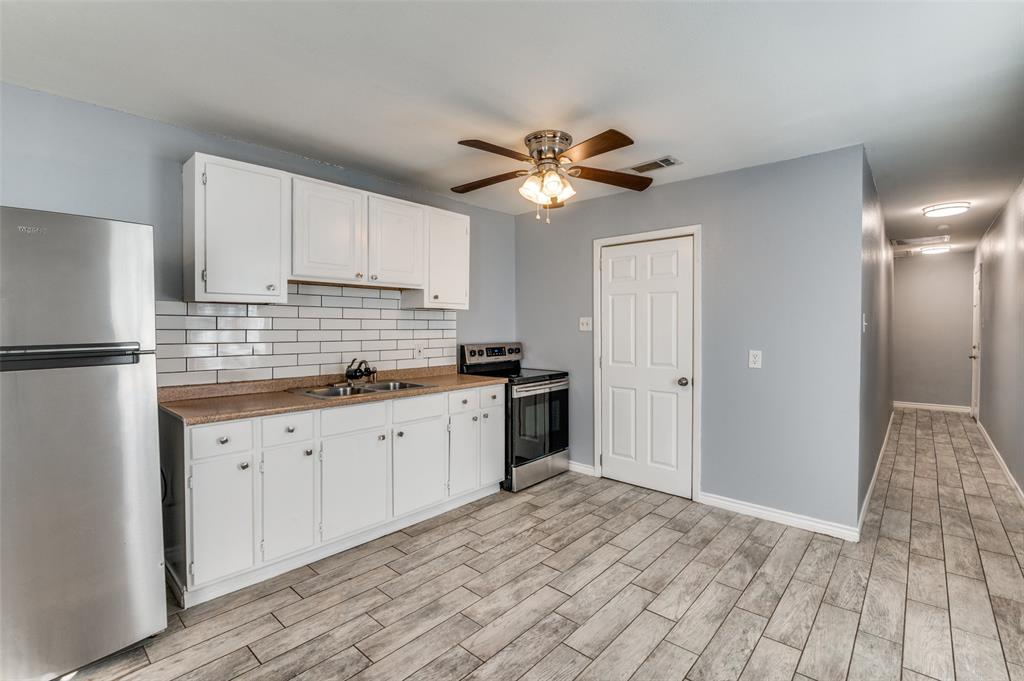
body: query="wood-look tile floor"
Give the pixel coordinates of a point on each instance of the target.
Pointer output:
(593, 579)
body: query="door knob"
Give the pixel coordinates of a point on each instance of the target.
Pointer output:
(683, 381)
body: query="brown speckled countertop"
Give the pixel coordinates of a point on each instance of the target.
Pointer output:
(251, 404)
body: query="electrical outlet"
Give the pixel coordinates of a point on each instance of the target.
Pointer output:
(754, 359)
(586, 323)
(418, 349)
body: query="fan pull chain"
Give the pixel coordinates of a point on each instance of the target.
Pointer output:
(538, 211)
(547, 215)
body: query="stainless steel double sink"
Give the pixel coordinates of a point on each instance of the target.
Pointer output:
(346, 390)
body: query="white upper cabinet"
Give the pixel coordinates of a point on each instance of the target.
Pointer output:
(397, 238)
(328, 232)
(237, 231)
(447, 273)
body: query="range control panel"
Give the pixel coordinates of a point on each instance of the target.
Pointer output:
(483, 353)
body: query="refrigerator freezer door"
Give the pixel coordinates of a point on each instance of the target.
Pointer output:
(81, 543)
(73, 280)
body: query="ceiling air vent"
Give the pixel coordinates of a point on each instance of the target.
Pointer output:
(648, 166)
(922, 241)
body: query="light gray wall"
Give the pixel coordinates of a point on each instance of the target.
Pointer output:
(876, 338)
(63, 155)
(1001, 255)
(933, 328)
(781, 273)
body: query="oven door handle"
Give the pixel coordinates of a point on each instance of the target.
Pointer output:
(539, 388)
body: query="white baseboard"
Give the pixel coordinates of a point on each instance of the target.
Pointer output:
(582, 468)
(847, 532)
(958, 408)
(1002, 462)
(874, 478)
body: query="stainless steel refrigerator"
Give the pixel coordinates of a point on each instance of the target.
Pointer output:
(81, 546)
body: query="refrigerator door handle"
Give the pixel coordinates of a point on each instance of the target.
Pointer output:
(96, 348)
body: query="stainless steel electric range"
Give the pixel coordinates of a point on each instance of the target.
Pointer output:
(536, 412)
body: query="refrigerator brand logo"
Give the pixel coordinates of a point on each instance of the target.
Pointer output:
(31, 230)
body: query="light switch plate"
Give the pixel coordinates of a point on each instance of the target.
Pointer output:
(586, 323)
(754, 359)
(418, 348)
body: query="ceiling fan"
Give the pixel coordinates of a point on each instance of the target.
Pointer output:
(553, 159)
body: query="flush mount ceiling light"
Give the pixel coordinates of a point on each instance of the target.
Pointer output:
(552, 157)
(944, 210)
(935, 250)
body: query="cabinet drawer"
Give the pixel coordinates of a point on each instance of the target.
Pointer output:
(349, 419)
(280, 430)
(221, 438)
(414, 408)
(463, 400)
(492, 395)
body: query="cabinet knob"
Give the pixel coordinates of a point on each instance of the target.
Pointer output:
(494, 397)
(271, 287)
(244, 465)
(223, 440)
(436, 296)
(476, 418)
(465, 401)
(382, 437)
(308, 452)
(400, 434)
(486, 414)
(683, 381)
(289, 429)
(359, 275)
(373, 276)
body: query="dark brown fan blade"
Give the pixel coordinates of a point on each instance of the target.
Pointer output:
(495, 149)
(625, 180)
(609, 140)
(487, 181)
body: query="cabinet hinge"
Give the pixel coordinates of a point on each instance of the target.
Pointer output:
(192, 568)
(449, 426)
(321, 530)
(204, 275)
(190, 482)
(262, 550)
(204, 177)
(261, 466)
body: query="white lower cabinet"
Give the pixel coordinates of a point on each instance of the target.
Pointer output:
(464, 453)
(252, 504)
(353, 482)
(420, 455)
(289, 500)
(223, 516)
(492, 446)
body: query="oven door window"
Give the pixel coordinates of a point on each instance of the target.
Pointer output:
(529, 428)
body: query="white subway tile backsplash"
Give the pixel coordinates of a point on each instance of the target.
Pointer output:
(223, 336)
(243, 323)
(218, 309)
(171, 307)
(319, 331)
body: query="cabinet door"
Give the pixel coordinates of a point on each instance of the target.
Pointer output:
(223, 532)
(397, 235)
(448, 260)
(420, 464)
(354, 482)
(492, 446)
(464, 453)
(328, 231)
(289, 510)
(246, 230)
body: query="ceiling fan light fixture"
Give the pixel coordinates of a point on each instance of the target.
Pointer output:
(944, 210)
(553, 183)
(567, 192)
(531, 189)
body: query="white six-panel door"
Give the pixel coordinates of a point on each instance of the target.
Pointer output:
(646, 355)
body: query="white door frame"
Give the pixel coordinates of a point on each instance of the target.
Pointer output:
(695, 380)
(976, 293)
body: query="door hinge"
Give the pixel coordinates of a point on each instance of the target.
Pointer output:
(204, 275)
(204, 177)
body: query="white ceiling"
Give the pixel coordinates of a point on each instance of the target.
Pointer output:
(935, 91)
